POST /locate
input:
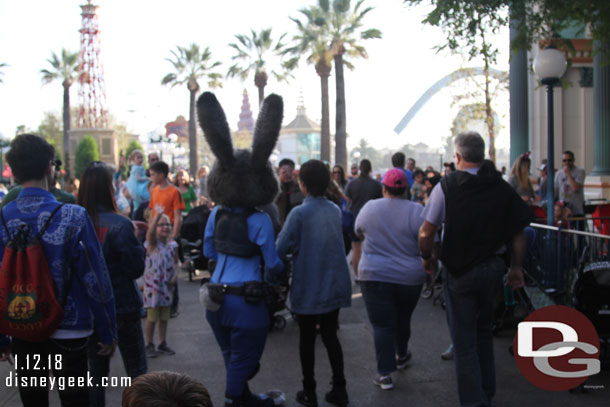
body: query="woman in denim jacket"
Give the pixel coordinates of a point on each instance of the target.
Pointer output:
(125, 260)
(321, 283)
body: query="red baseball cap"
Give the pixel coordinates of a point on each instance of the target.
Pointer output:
(395, 178)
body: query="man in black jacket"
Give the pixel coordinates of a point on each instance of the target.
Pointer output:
(359, 191)
(480, 214)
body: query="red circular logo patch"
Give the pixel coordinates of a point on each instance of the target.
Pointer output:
(556, 348)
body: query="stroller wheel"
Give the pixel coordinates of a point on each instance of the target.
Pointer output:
(191, 269)
(279, 322)
(426, 293)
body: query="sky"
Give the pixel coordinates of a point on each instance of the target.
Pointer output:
(137, 36)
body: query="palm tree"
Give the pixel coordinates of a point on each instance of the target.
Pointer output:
(311, 42)
(192, 64)
(64, 68)
(345, 26)
(2, 65)
(254, 52)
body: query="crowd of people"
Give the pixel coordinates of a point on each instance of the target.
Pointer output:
(113, 250)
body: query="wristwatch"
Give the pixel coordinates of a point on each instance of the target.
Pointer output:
(428, 257)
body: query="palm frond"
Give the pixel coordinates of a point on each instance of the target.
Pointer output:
(170, 78)
(190, 63)
(371, 33)
(64, 67)
(2, 65)
(348, 64)
(291, 63)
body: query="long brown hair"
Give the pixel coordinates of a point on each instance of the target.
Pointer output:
(185, 177)
(96, 190)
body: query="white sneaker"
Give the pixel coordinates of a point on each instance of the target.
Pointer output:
(385, 382)
(403, 363)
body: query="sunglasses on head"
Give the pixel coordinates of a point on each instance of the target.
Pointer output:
(97, 164)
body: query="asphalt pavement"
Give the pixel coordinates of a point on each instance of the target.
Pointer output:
(429, 381)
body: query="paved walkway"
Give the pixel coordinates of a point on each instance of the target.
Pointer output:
(428, 382)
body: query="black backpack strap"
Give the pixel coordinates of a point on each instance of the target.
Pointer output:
(46, 224)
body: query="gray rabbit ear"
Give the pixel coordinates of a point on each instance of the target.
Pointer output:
(267, 129)
(213, 122)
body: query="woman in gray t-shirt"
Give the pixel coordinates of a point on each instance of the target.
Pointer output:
(390, 272)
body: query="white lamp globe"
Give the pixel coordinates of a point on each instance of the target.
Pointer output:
(550, 64)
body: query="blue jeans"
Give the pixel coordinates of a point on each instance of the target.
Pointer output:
(241, 349)
(470, 310)
(389, 307)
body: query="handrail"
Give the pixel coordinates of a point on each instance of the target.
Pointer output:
(575, 232)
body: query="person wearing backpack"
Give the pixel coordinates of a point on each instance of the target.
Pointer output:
(62, 244)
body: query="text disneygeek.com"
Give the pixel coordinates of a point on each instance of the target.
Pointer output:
(15, 379)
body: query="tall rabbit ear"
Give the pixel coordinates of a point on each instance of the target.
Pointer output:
(267, 129)
(213, 122)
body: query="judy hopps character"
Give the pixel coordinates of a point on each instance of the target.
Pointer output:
(236, 237)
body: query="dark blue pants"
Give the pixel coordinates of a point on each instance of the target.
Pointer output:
(72, 363)
(389, 307)
(131, 346)
(241, 349)
(470, 310)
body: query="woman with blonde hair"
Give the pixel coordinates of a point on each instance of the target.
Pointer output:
(183, 183)
(520, 177)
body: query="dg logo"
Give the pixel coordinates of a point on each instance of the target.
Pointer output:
(557, 348)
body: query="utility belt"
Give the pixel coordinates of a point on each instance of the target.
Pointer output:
(213, 295)
(252, 291)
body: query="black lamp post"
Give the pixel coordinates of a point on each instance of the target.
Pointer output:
(550, 65)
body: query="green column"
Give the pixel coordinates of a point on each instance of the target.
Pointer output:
(601, 109)
(519, 108)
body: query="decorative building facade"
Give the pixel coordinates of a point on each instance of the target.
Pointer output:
(300, 139)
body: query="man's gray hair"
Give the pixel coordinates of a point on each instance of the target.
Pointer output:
(470, 146)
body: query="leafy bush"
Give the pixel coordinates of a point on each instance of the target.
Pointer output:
(86, 152)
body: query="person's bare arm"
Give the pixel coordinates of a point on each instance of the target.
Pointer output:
(177, 223)
(515, 274)
(426, 245)
(575, 185)
(106, 350)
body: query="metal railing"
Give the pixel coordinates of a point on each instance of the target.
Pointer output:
(555, 256)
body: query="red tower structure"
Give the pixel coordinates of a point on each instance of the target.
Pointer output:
(92, 91)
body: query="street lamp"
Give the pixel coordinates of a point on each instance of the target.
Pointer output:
(550, 65)
(356, 155)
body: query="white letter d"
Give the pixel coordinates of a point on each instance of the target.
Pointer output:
(525, 337)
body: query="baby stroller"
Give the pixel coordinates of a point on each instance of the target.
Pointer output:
(591, 296)
(191, 239)
(433, 288)
(277, 296)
